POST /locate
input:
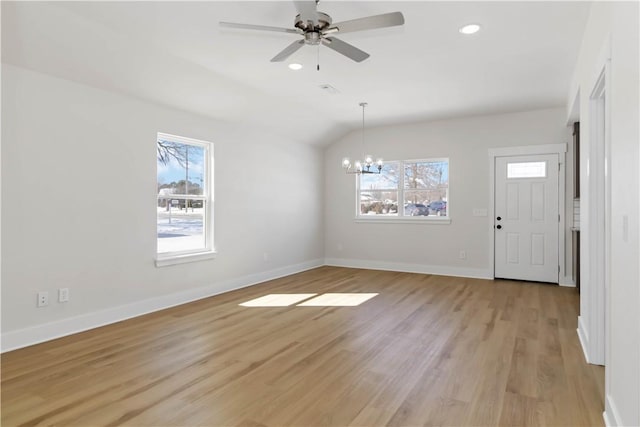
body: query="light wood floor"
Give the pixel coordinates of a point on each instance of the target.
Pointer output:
(428, 350)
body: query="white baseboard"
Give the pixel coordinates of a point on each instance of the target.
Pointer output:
(476, 273)
(583, 337)
(567, 282)
(610, 415)
(36, 334)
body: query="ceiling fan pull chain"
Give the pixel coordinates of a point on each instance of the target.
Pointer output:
(318, 66)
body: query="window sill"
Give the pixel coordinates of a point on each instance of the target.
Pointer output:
(405, 220)
(165, 261)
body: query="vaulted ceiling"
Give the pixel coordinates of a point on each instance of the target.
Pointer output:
(176, 54)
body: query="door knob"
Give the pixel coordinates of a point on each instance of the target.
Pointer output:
(498, 226)
(499, 218)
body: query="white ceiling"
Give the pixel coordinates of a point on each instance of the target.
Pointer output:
(174, 53)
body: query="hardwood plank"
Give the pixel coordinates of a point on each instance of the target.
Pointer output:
(427, 350)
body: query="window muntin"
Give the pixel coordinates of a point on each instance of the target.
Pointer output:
(184, 220)
(422, 188)
(527, 170)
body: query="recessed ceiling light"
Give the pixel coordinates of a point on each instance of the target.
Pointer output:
(295, 66)
(470, 29)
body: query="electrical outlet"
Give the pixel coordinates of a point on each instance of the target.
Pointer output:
(63, 295)
(43, 299)
(462, 255)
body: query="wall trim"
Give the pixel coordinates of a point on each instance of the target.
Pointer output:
(567, 281)
(611, 415)
(442, 270)
(583, 337)
(13, 340)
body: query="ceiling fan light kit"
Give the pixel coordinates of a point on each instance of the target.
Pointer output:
(363, 166)
(317, 27)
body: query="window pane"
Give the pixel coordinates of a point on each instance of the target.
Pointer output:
(377, 202)
(180, 224)
(527, 170)
(387, 179)
(426, 175)
(426, 188)
(415, 203)
(181, 168)
(416, 196)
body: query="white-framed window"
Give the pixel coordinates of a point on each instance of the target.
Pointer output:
(184, 208)
(405, 189)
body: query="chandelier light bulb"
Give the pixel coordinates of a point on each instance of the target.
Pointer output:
(368, 160)
(346, 163)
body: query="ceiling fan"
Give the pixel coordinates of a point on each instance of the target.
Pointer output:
(317, 28)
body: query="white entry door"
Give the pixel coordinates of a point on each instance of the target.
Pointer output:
(526, 218)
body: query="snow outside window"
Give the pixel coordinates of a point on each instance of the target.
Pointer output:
(420, 187)
(184, 205)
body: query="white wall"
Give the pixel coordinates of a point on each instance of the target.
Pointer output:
(79, 201)
(430, 247)
(615, 24)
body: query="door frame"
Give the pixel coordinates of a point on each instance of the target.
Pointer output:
(594, 308)
(530, 150)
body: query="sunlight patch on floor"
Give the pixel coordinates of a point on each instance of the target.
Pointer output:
(277, 300)
(337, 300)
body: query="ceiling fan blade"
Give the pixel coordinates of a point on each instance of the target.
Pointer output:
(370, 22)
(308, 10)
(344, 48)
(288, 51)
(258, 27)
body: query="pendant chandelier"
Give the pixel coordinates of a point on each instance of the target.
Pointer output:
(366, 165)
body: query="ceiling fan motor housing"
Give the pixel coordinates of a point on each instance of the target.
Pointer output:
(312, 37)
(323, 22)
